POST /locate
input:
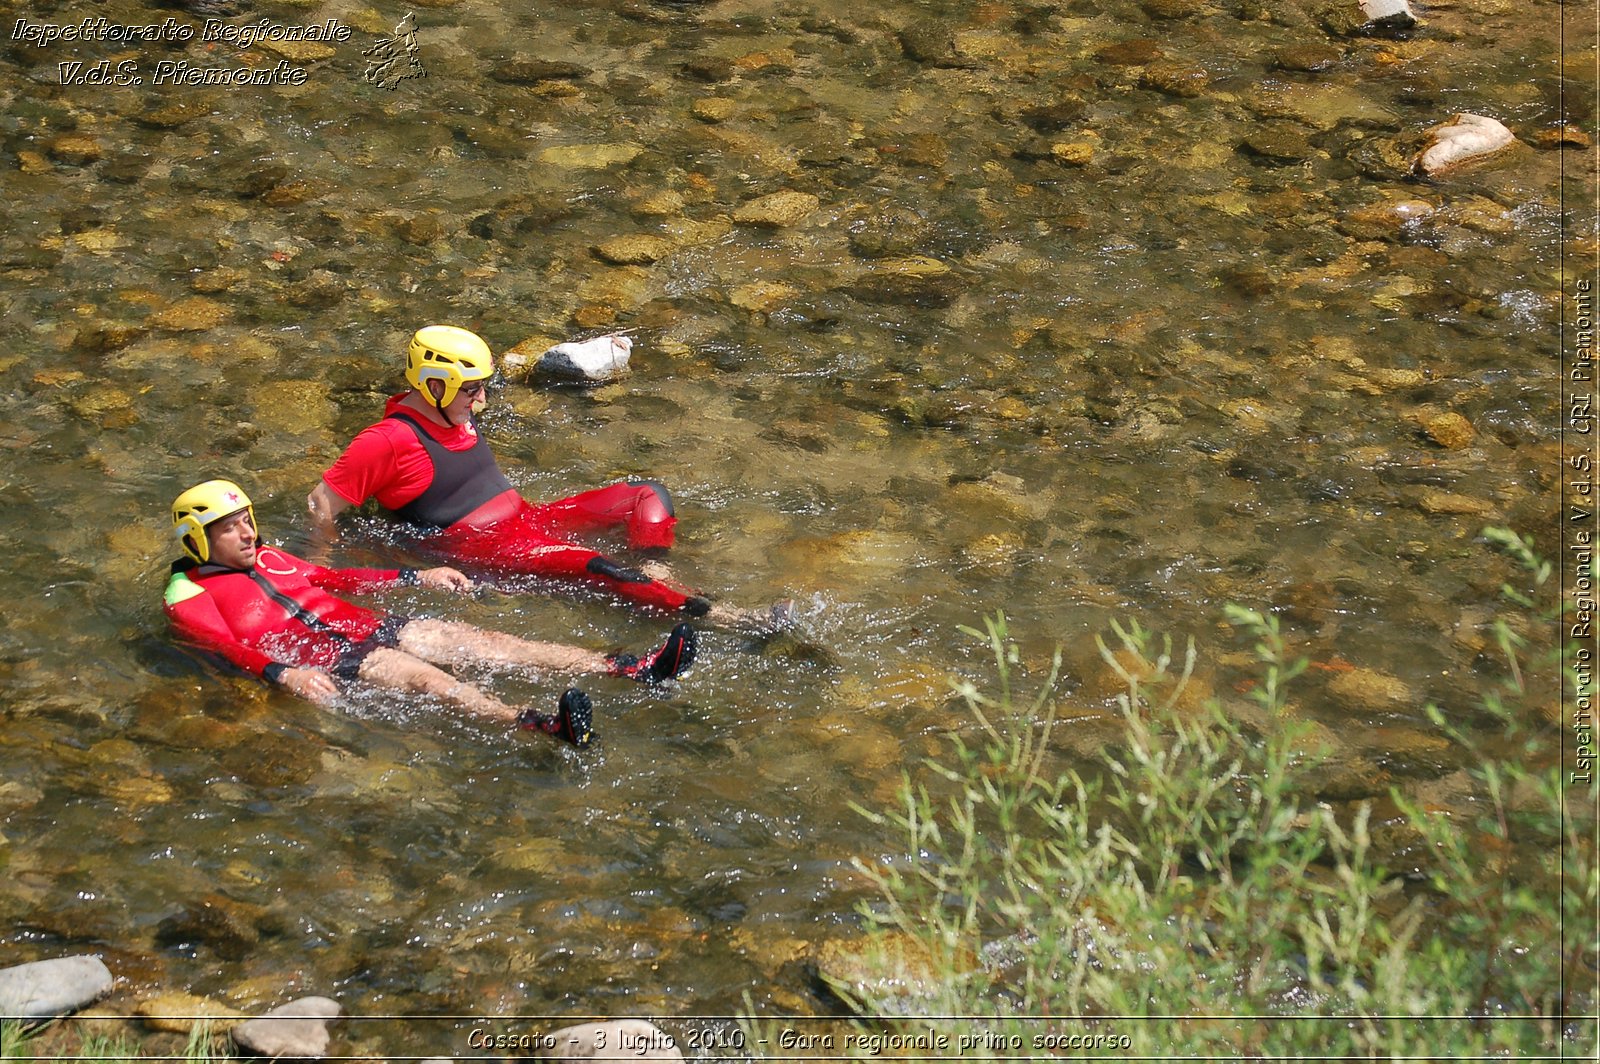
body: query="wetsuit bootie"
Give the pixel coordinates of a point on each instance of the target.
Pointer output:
(572, 722)
(663, 663)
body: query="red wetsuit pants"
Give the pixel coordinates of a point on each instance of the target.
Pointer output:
(535, 539)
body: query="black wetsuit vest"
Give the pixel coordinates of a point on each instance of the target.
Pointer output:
(462, 480)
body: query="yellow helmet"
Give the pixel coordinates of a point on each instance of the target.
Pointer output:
(202, 505)
(446, 353)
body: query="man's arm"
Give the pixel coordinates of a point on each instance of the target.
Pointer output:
(325, 504)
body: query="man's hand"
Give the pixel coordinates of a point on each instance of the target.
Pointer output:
(324, 504)
(445, 578)
(312, 684)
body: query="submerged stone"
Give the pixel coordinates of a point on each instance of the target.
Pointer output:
(532, 71)
(590, 156)
(76, 149)
(1386, 220)
(1373, 692)
(1175, 78)
(714, 109)
(634, 250)
(1278, 143)
(1136, 52)
(1449, 430)
(780, 210)
(1173, 9)
(178, 1012)
(192, 315)
(1309, 58)
(762, 296)
(889, 232)
(914, 282)
(890, 972)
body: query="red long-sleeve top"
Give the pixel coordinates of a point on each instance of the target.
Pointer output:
(228, 612)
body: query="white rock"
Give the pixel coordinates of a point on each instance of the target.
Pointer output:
(599, 359)
(298, 1030)
(52, 988)
(615, 1040)
(1465, 138)
(1390, 12)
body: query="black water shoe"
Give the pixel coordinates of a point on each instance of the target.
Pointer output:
(573, 721)
(664, 663)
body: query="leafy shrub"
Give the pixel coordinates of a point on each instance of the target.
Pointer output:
(1186, 898)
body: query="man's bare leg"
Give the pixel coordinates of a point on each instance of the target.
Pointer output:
(451, 641)
(765, 621)
(387, 667)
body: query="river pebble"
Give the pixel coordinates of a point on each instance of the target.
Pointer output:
(1173, 9)
(1278, 143)
(226, 926)
(916, 281)
(780, 210)
(1466, 140)
(1449, 430)
(178, 1012)
(525, 71)
(667, 203)
(714, 109)
(42, 989)
(76, 149)
(634, 250)
(890, 972)
(1434, 501)
(1564, 136)
(1136, 52)
(298, 1030)
(1364, 690)
(590, 156)
(1175, 78)
(1389, 14)
(932, 44)
(1309, 58)
(762, 296)
(191, 315)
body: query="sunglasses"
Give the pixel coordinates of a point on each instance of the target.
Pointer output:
(473, 390)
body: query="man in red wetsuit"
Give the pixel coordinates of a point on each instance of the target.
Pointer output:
(273, 615)
(426, 462)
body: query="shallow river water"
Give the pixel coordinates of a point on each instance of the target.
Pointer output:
(1079, 311)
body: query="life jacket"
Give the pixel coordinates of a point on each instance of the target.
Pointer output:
(462, 480)
(278, 607)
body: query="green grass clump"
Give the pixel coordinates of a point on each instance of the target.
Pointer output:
(1186, 896)
(18, 1042)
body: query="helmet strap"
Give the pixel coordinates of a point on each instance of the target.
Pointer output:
(438, 401)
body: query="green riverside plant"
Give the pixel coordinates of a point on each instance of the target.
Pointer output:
(45, 1041)
(1186, 895)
